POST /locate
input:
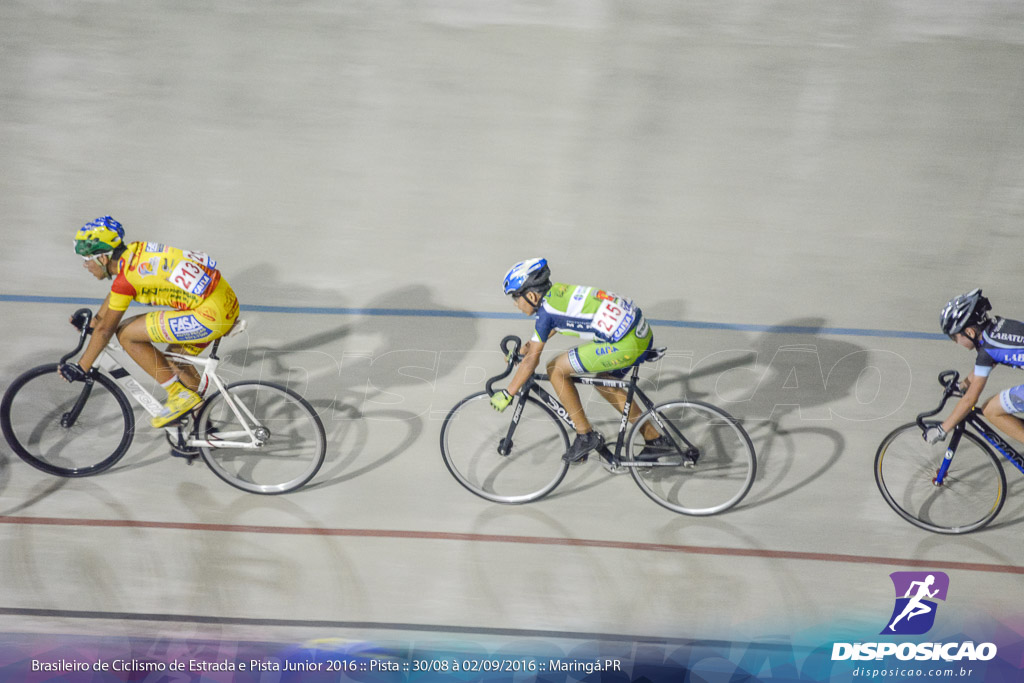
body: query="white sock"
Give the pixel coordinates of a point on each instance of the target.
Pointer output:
(168, 383)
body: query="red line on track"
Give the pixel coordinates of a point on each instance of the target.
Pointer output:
(525, 540)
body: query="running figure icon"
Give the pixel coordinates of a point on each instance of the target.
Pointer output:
(915, 607)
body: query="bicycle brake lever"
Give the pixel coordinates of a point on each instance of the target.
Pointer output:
(81, 318)
(512, 353)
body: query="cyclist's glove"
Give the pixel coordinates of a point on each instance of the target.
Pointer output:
(935, 434)
(500, 400)
(72, 372)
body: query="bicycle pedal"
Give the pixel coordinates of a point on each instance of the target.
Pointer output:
(187, 455)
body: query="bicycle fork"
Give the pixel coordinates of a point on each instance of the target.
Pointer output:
(505, 445)
(68, 419)
(947, 459)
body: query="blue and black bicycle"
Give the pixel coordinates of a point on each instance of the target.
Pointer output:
(951, 488)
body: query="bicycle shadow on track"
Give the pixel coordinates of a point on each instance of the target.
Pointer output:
(1012, 514)
(380, 365)
(39, 493)
(788, 385)
(352, 440)
(5, 466)
(247, 568)
(960, 546)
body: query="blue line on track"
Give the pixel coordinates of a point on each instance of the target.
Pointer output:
(484, 315)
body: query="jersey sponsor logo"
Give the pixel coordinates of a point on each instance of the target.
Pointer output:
(154, 247)
(149, 267)
(187, 328)
(1012, 338)
(1007, 356)
(605, 350)
(205, 314)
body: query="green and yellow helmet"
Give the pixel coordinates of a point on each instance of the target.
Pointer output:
(99, 237)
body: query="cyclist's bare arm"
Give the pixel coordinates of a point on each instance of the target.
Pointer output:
(104, 325)
(531, 359)
(974, 386)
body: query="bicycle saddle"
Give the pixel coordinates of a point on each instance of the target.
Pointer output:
(651, 355)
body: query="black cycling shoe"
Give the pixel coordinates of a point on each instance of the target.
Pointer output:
(583, 444)
(655, 448)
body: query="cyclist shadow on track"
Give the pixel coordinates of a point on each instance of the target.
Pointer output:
(792, 372)
(779, 375)
(393, 384)
(245, 567)
(367, 372)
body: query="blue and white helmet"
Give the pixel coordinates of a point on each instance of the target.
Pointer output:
(527, 275)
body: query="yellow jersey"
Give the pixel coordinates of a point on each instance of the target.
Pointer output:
(158, 275)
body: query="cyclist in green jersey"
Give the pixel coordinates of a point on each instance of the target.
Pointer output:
(617, 336)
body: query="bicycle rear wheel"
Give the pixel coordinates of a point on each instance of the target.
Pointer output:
(68, 429)
(294, 442)
(725, 464)
(971, 495)
(472, 434)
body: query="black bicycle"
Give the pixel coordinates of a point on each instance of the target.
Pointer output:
(516, 456)
(948, 489)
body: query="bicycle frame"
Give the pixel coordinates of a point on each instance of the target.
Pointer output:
(630, 386)
(253, 433)
(949, 379)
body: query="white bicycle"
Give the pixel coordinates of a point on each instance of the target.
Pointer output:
(255, 435)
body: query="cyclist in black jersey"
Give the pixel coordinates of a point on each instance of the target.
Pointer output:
(997, 341)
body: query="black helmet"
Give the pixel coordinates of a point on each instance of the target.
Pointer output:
(963, 311)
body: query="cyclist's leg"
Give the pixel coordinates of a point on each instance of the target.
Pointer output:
(615, 360)
(1004, 410)
(133, 334)
(617, 397)
(560, 370)
(189, 331)
(186, 372)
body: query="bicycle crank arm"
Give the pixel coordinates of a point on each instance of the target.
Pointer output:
(243, 445)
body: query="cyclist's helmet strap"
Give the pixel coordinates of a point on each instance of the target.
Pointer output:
(99, 236)
(964, 311)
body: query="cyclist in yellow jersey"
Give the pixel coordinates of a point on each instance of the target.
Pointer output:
(154, 274)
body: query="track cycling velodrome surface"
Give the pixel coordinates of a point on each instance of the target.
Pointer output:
(789, 190)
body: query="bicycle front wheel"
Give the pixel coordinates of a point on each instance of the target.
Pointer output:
(503, 464)
(709, 470)
(971, 495)
(292, 436)
(68, 429)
